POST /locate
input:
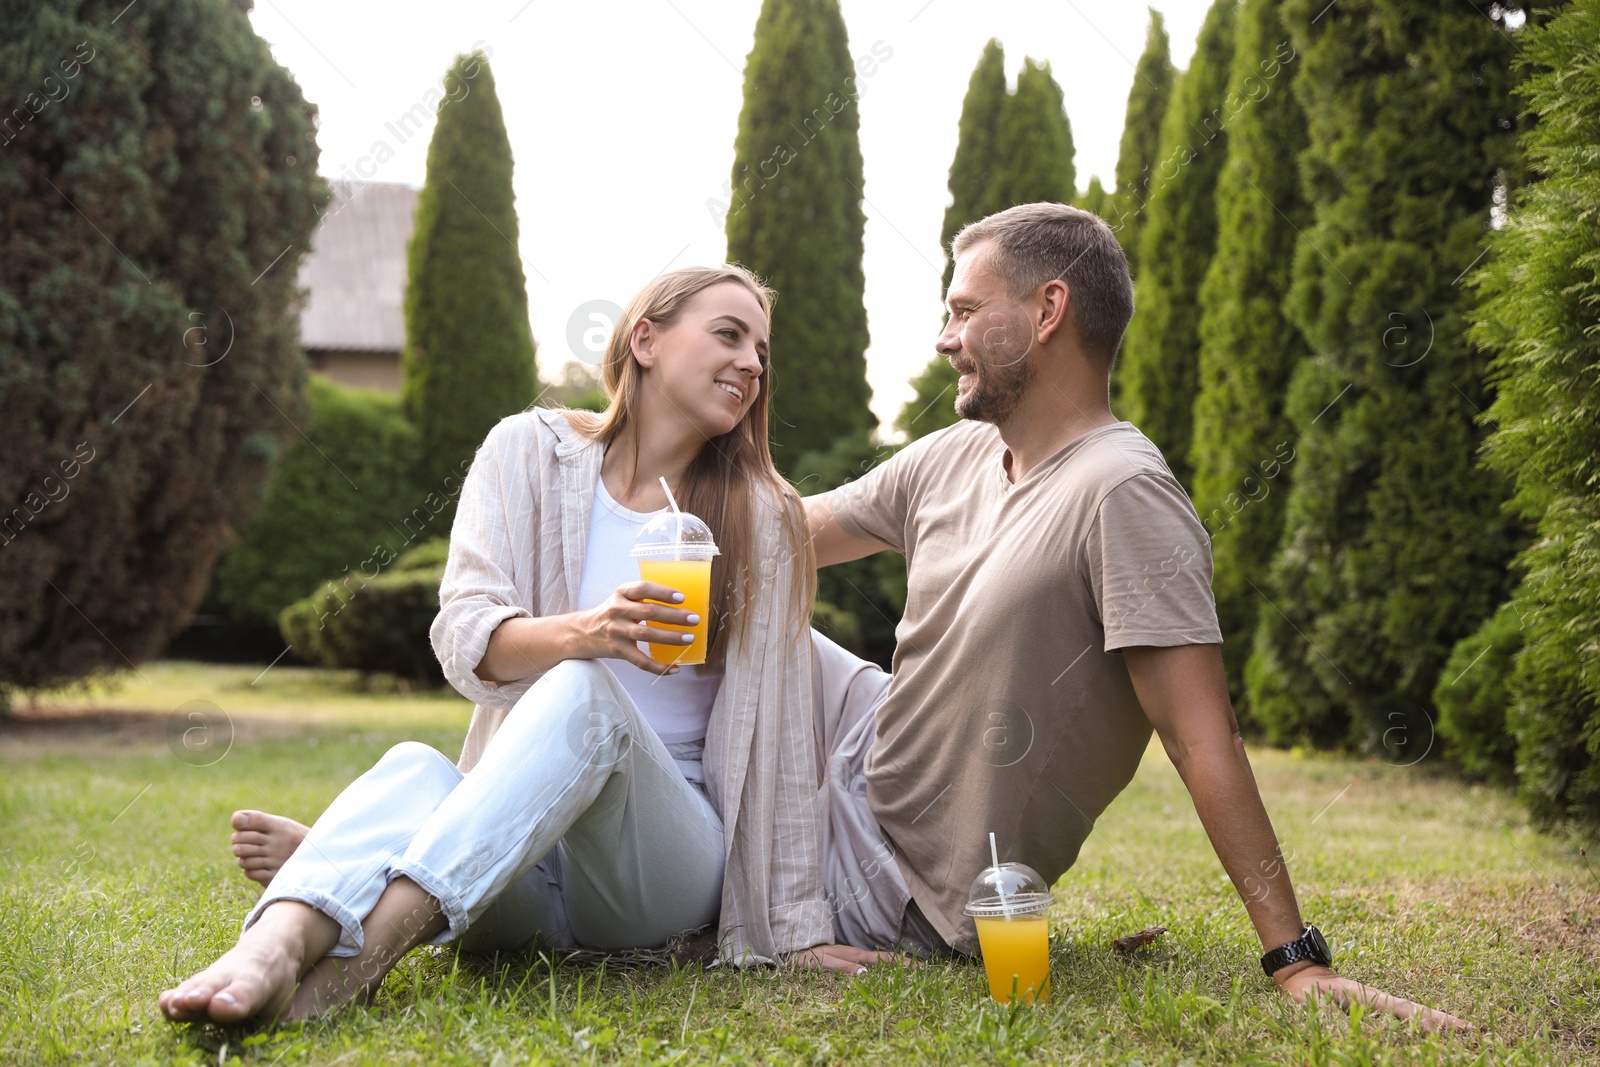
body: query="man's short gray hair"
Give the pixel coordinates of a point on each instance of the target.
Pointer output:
(1031, 244)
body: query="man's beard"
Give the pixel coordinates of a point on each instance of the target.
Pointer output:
(997, 389)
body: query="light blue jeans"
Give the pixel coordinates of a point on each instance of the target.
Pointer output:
(578, 825)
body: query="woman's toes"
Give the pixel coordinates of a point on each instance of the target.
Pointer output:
(248, 819)
(188, 1002)
(250, 838)
(248, 981)
(261, 873)
(234, 1004)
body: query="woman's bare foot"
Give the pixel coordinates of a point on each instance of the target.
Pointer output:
(257, 977)
(263, 843)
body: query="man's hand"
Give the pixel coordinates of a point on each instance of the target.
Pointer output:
(1185, 696)
(1313, 983)
(845, 959)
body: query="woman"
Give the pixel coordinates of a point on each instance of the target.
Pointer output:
(602, 799)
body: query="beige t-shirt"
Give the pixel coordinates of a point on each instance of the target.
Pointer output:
(1008, 710)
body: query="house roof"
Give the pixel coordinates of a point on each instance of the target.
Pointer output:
(356, 271)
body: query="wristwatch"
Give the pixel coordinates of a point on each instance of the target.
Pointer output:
(1308, 946)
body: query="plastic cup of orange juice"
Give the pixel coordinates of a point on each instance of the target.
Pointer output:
(675, 549)
(1007, 904)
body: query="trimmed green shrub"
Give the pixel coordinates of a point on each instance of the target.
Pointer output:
(1541, 318)
(1474, 696)
(158, 185)
(858, 603)
(1395, 544)
(377, 624)
(1242, 450)
(329, 505)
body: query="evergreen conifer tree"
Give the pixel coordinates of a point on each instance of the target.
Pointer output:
(1159, 370)
(1242, 451)
(975, 170)
(974, 182)
(1394, 544)
(1153, 78)
(158, 186)
(469, 356)
(1035, 142)
(1095, 199)
(795, 218)
(1014, 149)
(1541, 318)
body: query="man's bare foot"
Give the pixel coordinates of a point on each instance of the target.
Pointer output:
(257, 977)
(263, 843)
(333, 983)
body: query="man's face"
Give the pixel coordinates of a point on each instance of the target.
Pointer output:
(988, 341)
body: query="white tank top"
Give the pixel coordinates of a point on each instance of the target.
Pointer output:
(676, 706)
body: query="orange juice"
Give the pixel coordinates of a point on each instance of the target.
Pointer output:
(1016, 953)
(692, 578)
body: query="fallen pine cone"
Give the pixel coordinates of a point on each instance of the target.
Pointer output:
(1133, 942)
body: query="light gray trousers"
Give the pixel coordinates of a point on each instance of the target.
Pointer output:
(578, 825)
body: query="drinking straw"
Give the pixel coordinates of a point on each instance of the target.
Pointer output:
(994, 854)
(677, 552)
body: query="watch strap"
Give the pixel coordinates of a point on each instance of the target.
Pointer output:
(1301, 948)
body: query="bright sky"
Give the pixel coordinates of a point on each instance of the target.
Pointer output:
(622, 118)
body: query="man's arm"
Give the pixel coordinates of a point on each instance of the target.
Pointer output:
(1184, 693)
(828, 538)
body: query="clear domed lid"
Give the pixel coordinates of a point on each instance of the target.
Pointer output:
(675, 535)
(1008, 889)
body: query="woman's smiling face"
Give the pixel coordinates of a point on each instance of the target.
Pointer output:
(709, 363)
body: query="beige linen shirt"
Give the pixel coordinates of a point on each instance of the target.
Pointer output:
(517, 549)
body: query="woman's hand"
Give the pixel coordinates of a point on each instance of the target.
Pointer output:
(612, 630)
(843, 958)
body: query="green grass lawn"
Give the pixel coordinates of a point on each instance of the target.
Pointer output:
(116, 882)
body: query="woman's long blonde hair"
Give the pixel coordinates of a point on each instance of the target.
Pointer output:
(720, 483)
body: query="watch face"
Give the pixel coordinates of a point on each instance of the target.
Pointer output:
(1319, 947)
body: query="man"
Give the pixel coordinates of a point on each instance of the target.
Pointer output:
(1058, 606)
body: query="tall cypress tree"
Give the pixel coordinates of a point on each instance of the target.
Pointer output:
(469, 357)
(1243, 446)
(1036, 142)
(1541, 318)
(975, 170)
(974, 179)
(1153, 79)
(1395, 545)
(1095, 199)
(795, 218)
(1014, 149)
(1159, 371)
